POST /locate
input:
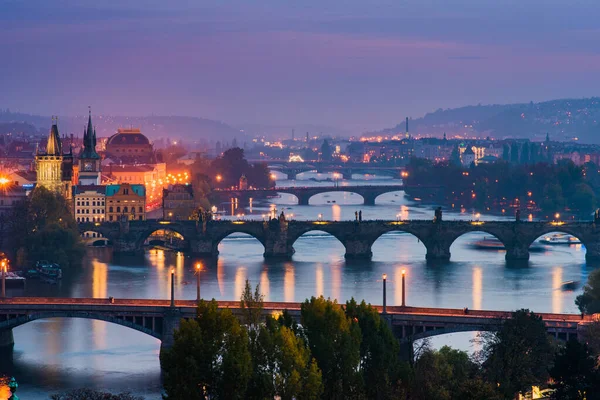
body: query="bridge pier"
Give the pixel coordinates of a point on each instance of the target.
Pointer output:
(204, 248)
(171, 322)
(7, 340)
(517, 252)
(358, 249)
(291, 176)
(437, 251)
(407, 352)
(592, 251)
(369, 199)
(127, 246)
(303, 199)
(347, 175)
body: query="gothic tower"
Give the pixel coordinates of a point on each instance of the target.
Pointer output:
(89, 160)
(50, 165)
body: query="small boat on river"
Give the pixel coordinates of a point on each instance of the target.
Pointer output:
(46, 271)
(491, 243)
(560, 238)
(569, 285)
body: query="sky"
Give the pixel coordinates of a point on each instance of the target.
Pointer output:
(353, 64)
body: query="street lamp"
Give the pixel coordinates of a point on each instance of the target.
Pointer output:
(3, 265)
(403, 288)
(477, 216)
(557, 216)
(320, 217)
(384, 276)
(172, 287)
(398, 217)
(219, 178)
(198, 268)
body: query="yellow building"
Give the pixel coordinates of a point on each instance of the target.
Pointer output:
(54, 169)
(125, 200)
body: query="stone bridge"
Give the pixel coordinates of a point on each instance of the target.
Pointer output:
(303, 194)
(159, 318)
(292, 169)
(278, 238)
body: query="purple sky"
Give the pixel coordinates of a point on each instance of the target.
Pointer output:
(354, 64)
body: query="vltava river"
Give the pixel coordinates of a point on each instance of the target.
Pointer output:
(57, 354)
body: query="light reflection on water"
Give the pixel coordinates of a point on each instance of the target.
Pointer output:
(51, 355)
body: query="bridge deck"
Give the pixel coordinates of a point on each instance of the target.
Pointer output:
(23, 303)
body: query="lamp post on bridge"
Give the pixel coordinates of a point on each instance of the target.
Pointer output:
(384, 276)
(403, 288)
(198, 269)
(172, 287)
(3, 265)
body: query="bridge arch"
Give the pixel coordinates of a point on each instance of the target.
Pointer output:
(319, 232)
(401, 240)
(145, 235)
(152, 326)
(552, 230)
(490, 241)
(247, 232)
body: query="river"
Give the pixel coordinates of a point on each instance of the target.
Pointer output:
(54, 355)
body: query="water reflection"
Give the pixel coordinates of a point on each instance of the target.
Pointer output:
(319, 280)
(557, 280)
(289, 283)
(477, 284)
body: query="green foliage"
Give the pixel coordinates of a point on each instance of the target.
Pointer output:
(44, 228)
(379, 362)
(589, 301)
(574, 373)
(449, 374)
(210, 357)
(326, 151)
(519, 354)
(232, 165)
(552, 188)
(334, 341)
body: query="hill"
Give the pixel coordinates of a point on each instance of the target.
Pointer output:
(190, 129)
(563, 119)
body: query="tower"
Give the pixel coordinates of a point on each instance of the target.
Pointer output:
(89, 160)
(407, 134)
(53, 168)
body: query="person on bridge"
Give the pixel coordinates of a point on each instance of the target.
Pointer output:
(356, 215)
(360, 216)
(518, 216)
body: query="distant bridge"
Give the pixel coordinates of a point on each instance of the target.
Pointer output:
(278, 237)
(346, 170)
(368, 192)
(158, 318)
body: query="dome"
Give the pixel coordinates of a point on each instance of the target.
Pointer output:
(128, 137)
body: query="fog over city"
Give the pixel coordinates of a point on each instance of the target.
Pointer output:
(352, 65)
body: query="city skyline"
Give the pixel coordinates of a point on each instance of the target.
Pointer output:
(353, 66)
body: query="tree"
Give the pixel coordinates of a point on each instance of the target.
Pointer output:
(90, 394)
(455, 157)
(44, 228)
(514, 153)
(582, 199)
(334, 341)
(525, 155)
(506, 152)
(209, 357)
(574, 373)
(232, 165)
(449, 374)
(589, 301)
(379, 362)
(518, 355)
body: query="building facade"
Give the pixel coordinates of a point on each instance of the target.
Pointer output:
(54, 168)
(130, 146)
(89, 203)
(125, 200)
(89, 166)
(178, 202)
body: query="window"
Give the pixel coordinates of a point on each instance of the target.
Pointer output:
(110, 218)
(118, 209)
(140, 218)
(125, 209)
(93, 203)
(87, 203)
(125, 191)
(78, 204)
(110, 209)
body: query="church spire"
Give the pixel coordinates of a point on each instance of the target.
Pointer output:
(89, 139)
(54, 146)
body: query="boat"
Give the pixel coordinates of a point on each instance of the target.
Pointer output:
(489, 243)
(560, 238)
(48, 272)
(569, 285)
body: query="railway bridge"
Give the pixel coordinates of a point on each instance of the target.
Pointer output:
(279, 235)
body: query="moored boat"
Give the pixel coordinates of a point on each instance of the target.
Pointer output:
(560, 238)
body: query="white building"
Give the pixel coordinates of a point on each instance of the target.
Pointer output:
(89, 203)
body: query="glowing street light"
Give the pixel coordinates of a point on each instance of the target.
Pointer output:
(320, 217)
(198, 269)
(477, 216)
(403, 288)
(557, 216)
(172, 287)
(384, 277)
(219, 178)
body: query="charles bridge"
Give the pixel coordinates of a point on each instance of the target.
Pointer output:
(159, 318)
(279, 235)
(368, 192)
